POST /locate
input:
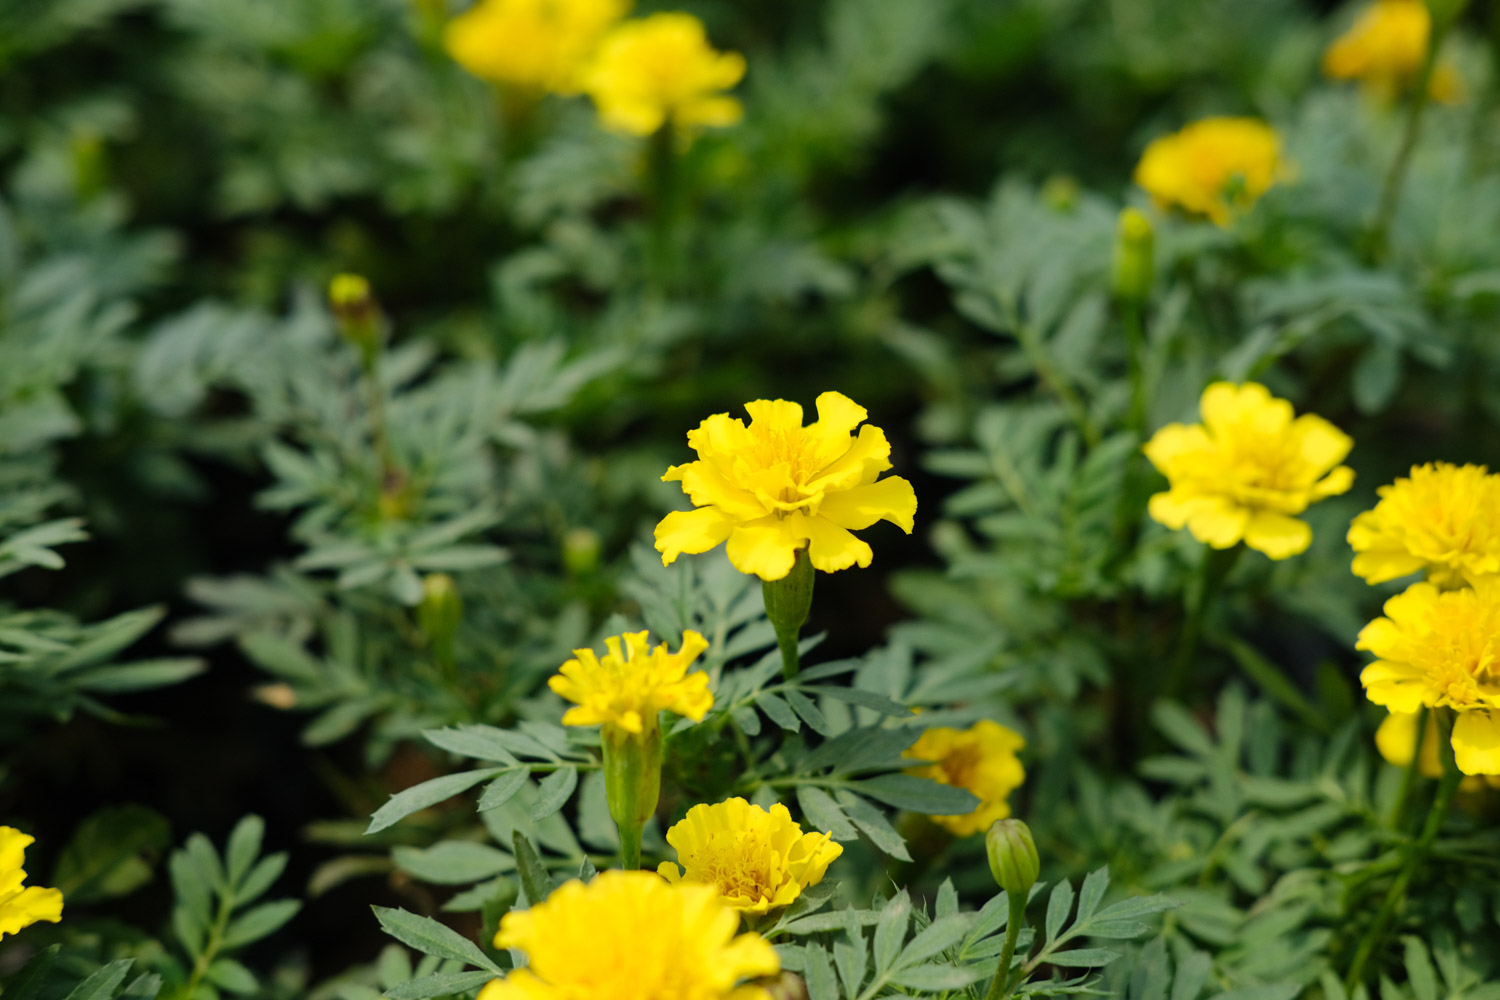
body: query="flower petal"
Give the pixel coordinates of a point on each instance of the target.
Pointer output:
(891, 499)
(691, 531)
(830, 547)
(1277, 535)
(1476, 742)
(766, 547)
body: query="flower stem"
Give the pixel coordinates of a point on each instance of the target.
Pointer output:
(788, 602)
(1397, 818)
(662, 168)
(1216, 566)
(630, 848)
(1421, 96)
(1000, 985)
(1416, 853)
(1135, 340)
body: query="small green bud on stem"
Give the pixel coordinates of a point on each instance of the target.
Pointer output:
(632, 784)
(1135, 256)
(438, 616)
(1015, 865)
(788, 602)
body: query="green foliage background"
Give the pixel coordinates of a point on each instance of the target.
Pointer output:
(209, 584)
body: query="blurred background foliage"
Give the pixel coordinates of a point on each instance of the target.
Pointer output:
(918, 209)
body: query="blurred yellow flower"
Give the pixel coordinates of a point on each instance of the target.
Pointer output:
(1215, 167)
(775, 486)
(22, 906)
(982, 759)
(1439, 648)
(1244, 471)
(1397, 738)
(756, 860)
(1385, 49)
(627, 935)
(1444, 519)
(661, 69)
(533, 44)
(631, 685)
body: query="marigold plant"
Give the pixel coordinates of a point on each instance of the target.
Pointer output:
(1438, 648)
(1247, 470)
(22, 905)
(1385, 49)
(630, 935)
(533, 44)
(661, 70)
(981, 759)
(1443, 519)
(1216, 167)
(775, 486)
(757, 860)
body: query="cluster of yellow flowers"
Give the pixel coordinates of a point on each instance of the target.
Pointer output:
(777, 487)
(641, 74)
(1438, 644)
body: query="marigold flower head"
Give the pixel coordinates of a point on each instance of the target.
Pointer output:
(632, 683)
(627, 935)
(1439, 648)
(755, 860)
(775, 486)
(21, 906)
(1247, 469)
(1444, 519)
(1215, 167)
(1385, 49)
(534, 44)
(661, 69)
(982, 759)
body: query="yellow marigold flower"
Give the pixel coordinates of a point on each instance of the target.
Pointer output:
(1385, 49)
(1443, 520)
(1215, 167)
(1244, 471)
(1397, 738)
(631, 685)
(533, 44)
(982, 759)
(1442, 648)
(22, 906)
(775, 486)
(627, 935)
(661, 69)
(756, 860)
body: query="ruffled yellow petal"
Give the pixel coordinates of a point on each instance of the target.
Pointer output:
(766, 548)
(1277, 535)
(891, 499)
(830, 547)
(1476, 742)
(1218, 523)
(691, 531)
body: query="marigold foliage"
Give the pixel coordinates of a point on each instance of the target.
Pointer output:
(1385, 48)
(21, 906)
(1243, 473)
(756, 860)
(534, 44)
(982, 759)
(1444, 519)
(1439, 648)
(661, 69)
(1216, 167)
(628, 935)
(633, 682)
(772, 487)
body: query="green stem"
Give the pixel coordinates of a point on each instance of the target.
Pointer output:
(1421, 96)
(1416, 853)
(788, 602)
(1135, 340)
(1397, 819)
(1000, 985)
(211, 947)
(662, 166)
(630, 848)
(1056, 383)
(1216, 566)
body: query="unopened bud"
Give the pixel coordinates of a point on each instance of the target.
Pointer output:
(632, 775)
(1060, 193)
(440, 612)
(1135, 256)
(580, 551)
(357, 313)
(1013, 857)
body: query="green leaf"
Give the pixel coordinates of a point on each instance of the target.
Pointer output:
(419, 797)
(890, 931)
(907, 791)
(937, 978)
(778, 712)
(938, 936)
(28, 982)
(243, 847)
(261, 877)
(873, 824)
(1058, 906)
(1420, 975)
(503, 788)
(232, 976)
(553, 791)
(810, 713)
(822, 813)
(1094, 887)
(1177, 725)
(819, 974)
(139, 676)
(1082, 958)
(259, 921)
(479, 742)
(441, 985)
(432, 938)
(453, 862)
(535, 880)
(103, 983)
(110, 853)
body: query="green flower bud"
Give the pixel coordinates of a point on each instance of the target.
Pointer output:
(357, 313)
(1013, 857)
(1060, 193)
(788, 602)
(439, 614)
(632, 782)
(1135, 256)
(580, 551)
